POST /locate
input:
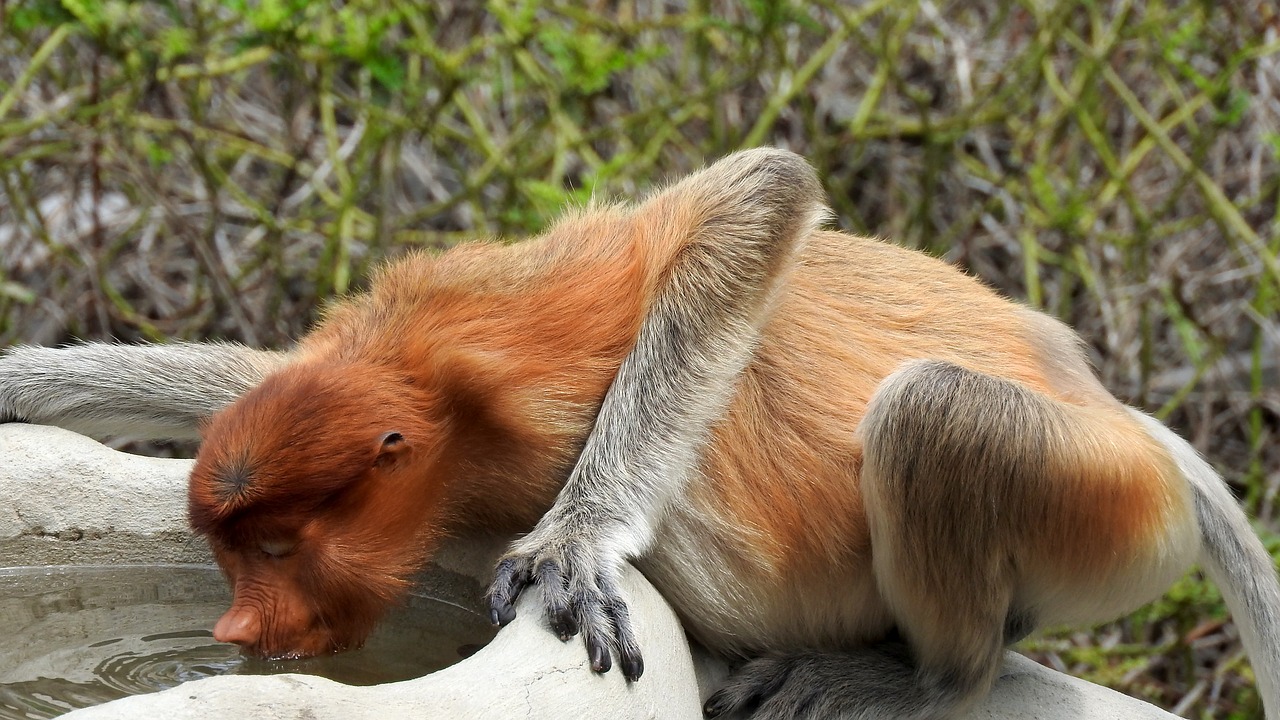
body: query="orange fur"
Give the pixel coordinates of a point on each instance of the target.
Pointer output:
(492, 361)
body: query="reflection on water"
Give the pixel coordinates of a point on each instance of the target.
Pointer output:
(75, 637)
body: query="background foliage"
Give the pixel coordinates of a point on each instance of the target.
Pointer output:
(218, 168)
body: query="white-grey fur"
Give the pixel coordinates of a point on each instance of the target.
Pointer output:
(143, 391)
(1236, 561)
(674, 384)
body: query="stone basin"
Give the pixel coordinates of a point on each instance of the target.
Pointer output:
(67, 500)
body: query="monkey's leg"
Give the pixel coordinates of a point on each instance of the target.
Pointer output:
(721, 240)
(993, 508)
(155, 391)
(877, 682)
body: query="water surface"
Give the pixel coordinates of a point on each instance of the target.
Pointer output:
(72, 637)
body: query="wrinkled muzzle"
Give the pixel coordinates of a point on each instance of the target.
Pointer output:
(281, 630)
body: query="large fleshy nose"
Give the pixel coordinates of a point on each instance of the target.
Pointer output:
(239, 626)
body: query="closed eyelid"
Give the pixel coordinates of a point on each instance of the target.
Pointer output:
(278, 548)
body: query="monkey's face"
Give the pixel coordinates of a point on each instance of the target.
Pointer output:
(318, 500)
(311, 589)
(279, 612)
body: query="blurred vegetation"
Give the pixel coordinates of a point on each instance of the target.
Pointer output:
(218, 168)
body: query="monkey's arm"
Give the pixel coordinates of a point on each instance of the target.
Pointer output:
(155, 391)
(735, 228)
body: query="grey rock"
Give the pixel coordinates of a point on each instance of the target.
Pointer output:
(66, 499)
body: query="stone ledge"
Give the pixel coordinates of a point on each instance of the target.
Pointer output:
(66, 499)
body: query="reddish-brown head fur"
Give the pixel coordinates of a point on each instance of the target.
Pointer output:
(452, 397)
(316, 491)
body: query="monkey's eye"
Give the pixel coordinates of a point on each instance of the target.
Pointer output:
(277, 548)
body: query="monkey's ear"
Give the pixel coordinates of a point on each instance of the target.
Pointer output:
(757, 195)
(391, 445)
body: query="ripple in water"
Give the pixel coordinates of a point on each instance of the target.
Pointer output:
(77, 637)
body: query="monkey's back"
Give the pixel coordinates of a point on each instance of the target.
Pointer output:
(776, 518)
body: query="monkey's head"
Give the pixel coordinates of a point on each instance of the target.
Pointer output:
(315, 491)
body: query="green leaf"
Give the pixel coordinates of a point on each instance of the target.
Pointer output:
(387, 69)
(37, 14)
(176, 42)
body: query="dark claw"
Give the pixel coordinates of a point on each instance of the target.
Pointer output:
(501, 615)
(600, 658)
(564, 624)
(629, 658)
(750, 688)
(556, 594)
(723, 701)
(510, 579)
(632, 667)
(567, 610)
(715, 706)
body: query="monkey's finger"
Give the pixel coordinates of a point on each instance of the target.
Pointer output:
(731, 701)
(510, 579)
(629, 658)
(597, 628)
(597, 649)
(555, 593)
(720, 703)
(748, 688)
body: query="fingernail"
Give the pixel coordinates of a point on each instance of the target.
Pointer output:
(600, 660)
(503, 615)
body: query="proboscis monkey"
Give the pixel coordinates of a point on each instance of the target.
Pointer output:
(847, 463)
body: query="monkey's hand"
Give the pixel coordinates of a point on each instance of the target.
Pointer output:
(579, 582)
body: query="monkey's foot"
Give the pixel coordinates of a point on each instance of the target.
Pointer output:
(870, 683)
(579, 593)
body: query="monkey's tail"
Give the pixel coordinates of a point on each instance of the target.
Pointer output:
(145, 391)
(1237, 562)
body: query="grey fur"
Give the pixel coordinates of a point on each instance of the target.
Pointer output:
(145, 391)
(1236, 561)
(940, 442)
(872, 683)
(673, 385)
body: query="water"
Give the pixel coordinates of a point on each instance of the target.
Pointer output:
(73, 637)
